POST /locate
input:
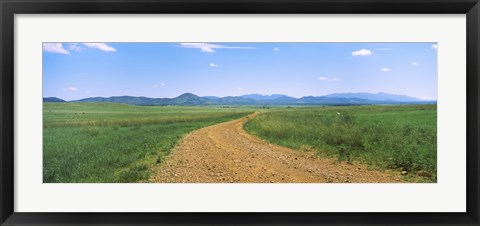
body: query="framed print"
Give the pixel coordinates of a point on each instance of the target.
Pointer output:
(239, 112)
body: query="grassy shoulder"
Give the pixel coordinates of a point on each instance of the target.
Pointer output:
(403, 138)
(105, 142)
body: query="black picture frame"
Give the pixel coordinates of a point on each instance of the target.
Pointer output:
(9, 8)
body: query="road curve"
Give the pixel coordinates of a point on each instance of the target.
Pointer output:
(225, 153)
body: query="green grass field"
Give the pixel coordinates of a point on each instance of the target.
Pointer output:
(106, 142)
(403, 137)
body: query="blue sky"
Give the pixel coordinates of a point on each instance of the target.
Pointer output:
(74, 71)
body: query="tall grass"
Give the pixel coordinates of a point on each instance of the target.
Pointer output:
(403, 138)
(103, 142)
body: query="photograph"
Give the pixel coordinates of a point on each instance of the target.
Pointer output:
(239, 112)
(212, 112)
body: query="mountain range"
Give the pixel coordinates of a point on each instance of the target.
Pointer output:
(189, 99)
(53, 99)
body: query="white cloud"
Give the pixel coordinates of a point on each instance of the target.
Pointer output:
(75, 47)
(157, 85)
(362, 52)
(100, 46)
(276, 49)
(415, 64)
(58, 47)
(213, 65)
(385, 69)
(71, 88)
(434, 46)
(328, 79)
(209, 48)
(55, 48)
(239, 89)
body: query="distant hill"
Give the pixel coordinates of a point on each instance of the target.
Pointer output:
(120, 99)
(211, 97)
(189, 99)
(263, 97)
(376, 96)
(52, 99)
(233, 101)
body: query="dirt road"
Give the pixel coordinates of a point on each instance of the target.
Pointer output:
(225, 153)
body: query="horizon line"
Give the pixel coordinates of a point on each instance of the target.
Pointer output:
(247, 94)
